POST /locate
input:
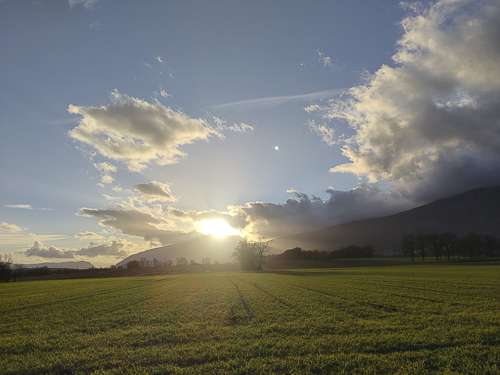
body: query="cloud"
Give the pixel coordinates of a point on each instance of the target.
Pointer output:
(105, 167)
(241, 128)
(155, 191)
(220, 125)
(88, 4)
(430, 125)
(303, 213)
(326, 133)
(51, 252)
(137, 223)
(137, 132)
(95, 26)
(274, 101)
(116, 249)
(11, 228)
(23, 206)
(88, 235)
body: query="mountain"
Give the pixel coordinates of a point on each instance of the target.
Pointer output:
(474, 211)
(198, 247)
(79, 265)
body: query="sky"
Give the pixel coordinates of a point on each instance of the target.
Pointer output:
(127, 125)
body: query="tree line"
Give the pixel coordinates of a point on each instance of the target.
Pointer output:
(155, 263)
(351, 251)
(449, 245)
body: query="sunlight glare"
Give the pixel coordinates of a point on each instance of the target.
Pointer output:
(218, 228)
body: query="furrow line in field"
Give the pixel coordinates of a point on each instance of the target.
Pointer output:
(245, 305)
(425, 290)
(357, 301)
(71, 299)
(269, 294)
(402, 295)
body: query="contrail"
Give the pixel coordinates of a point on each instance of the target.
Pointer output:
(273, 101)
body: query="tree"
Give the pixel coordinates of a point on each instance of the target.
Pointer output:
(192, 262)
(5, 267)
(206, 261)
(251, 254)
(435, 244)
(18, 271)
(490, 246)
(182, 261)
(133, 264)
(449, 241)
(409, 244)
(421, 244)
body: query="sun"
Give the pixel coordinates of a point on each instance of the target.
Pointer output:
(218, 228)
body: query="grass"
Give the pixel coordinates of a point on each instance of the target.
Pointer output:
(403, 319)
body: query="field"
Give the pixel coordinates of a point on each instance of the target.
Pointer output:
(412, 319)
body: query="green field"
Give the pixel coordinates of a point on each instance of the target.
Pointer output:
(412, 319)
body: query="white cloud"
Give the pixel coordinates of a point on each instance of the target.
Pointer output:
(105, 167)
(11, 228)
(23, 206)
(88, 235)
(88, 4)
(325, 60)
(107, 179)
(137, 132)
(430, 125)
(155, 191)
(241, 128)
(326, 133)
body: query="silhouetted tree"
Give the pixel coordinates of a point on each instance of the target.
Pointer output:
(490, 246)
(421, 244)
(182, 261)
(5, 267)
(435, 244)
(449, 242)
(470, 245)
(133, 264)
(409, 244)
(251, 254)
(18, 271)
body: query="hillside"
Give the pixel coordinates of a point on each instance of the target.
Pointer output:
(474, 211)
(197, 248)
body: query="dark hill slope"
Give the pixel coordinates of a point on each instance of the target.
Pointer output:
(474, 211)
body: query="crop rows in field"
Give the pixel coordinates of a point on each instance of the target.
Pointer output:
(359, 320)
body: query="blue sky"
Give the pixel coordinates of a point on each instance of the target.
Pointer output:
(125, 124)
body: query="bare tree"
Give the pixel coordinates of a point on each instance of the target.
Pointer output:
(18, 271)
(435, 244)
(449, 241)
(408, 245)
(421, 244)
(251, 254)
